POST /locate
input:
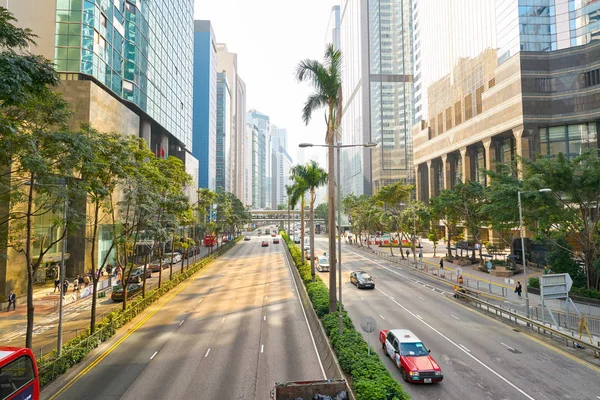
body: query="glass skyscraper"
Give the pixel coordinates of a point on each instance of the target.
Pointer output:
(261, 159)
(376, 42)
(223, 131)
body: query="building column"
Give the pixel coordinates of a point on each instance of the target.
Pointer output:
(466, 164)
(522, 146)
(164, 143)
(418, 184)
(446, 171)
(146, 131)
(431, 179)
(490, 157)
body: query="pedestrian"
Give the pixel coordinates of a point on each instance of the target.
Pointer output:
(86, 281)
(76, 284)
(80, 280)
(56, 285)
(407, 253)
(518, 289)
(65, 286)
(12, 300)
(442, 263)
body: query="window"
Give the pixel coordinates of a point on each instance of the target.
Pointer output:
(479, 100)
(592, 78)
(468, 107)
(15, 375)
(545, 85)
(413, 349)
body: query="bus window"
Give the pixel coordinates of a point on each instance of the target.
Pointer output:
(18, 378)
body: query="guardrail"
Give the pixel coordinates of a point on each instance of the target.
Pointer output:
(524, 321)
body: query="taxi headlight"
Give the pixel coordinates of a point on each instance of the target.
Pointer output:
(438, 373)
(414, 373)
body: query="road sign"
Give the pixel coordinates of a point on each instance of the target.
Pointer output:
(368, 324)
(509, 281)
(555, 286)
(489, 265)
(458, 271)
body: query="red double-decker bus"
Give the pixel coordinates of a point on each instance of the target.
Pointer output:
(210, 241)
(19, 379)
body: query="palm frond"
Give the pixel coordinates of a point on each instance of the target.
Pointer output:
(314, 102)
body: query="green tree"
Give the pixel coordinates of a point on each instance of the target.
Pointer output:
(326, 80)
(321, 212)
(206, 200)
(394, 196)
(443, 208)
(560, 259)
(313, 177)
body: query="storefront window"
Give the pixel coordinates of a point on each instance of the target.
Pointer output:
(569, 140)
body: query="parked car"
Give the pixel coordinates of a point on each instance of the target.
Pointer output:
(275, 240)
(246, 237)
(133, 289)
(155, 266)
(307, 255)
(265, 243)
(137, 275)
(362, 280)
(323, 265)
(411, 356)
(176, 257)
(273, 234)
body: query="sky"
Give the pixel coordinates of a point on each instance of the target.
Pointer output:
(270, 38)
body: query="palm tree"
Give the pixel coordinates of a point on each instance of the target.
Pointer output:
(292, 202)
(326, 79)
(299, 188)
(313, 177)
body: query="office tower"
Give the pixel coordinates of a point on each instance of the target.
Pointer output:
(282, 164)
(376, 43)
(223, 132)
(261, 159)
(205, 103)
(515, 80)
(228, 64)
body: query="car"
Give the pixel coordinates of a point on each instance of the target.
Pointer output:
(246, 237)
(137, 275)
(307, 255)
(323, 265)
(297, 239)
(273, 234)
(362, 280)
(176, 257)
(265, 243)
(133, 289)
(411, 356)
(275, 240)
(155, 266)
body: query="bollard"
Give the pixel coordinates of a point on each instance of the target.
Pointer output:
(477, 285)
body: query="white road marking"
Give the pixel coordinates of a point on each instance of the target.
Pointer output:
(207, 351)
(262, 348)
(266, 297)
(182, 321)
(507, 346)
(454, 316)
(200, 301)
(381, 316)
(459, 347)
(418, 316)
(421, 298)
(362, 298)
(154, 355)
(223, 320)
(464, 348)
(265, 318)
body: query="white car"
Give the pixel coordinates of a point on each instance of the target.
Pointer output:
(176, 257)
(323, 265)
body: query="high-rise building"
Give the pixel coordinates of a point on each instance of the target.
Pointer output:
(282, 164)
(250, 175)
(227, 63)
(223, 132)
(204, 144)
(332, 34)
(125, 66)
(376, 43)
(517, 80)
(261, 159)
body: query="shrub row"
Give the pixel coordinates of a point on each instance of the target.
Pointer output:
(50, 366)
(370, 378)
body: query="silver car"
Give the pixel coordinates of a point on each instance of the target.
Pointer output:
(323, 265)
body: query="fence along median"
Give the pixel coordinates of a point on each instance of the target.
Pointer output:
(370, 378)
(51, 367)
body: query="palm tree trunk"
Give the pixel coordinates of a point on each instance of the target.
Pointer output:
(331, 216)
(302, 226)
(312, 233)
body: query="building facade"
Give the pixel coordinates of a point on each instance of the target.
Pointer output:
(281, 167)
(524, 81)
(125, 66)
(204, 142)
(223, 179)
(376, 41)
(261, 160)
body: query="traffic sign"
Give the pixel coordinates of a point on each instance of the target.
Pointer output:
(555, 286)
(489, 265)
(509, 281)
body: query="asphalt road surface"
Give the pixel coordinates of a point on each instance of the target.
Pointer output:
(481, 358)
(231, 334)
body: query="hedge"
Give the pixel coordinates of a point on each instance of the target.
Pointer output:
(371, 380)
(50, 366)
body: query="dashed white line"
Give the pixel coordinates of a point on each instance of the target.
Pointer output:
(223, 320)
(464, 348)
(418, 316)
(265, 318)
(266, 297)
(182, 321)
(262, 348)
(421, 298)
(207, 351)
(362, 298)
(381, 316)
(154, 355)
(507, 346)
(454, 316)
(200, 301)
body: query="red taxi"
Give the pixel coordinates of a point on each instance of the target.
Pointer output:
(411, 356)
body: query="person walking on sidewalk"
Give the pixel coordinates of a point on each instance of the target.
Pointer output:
(518, 289)
(407, 253)
(56, 285)
(442, 263)
(12, 300)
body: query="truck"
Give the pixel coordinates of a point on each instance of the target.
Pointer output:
(309, 390)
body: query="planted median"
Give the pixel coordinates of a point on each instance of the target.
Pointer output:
(370, 379)
(52, 366)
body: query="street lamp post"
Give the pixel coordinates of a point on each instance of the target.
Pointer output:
(523, 245)
(59, 340)
(332, 257)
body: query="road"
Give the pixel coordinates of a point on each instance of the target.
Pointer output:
(231, 334)
(481, 358)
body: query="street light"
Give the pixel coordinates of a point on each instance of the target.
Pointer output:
(337, 146)
(523, 242)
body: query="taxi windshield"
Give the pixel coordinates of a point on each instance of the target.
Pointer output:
(413, 349)
(364, 275)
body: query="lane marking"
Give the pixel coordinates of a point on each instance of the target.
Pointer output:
(207, 351)
(454, 316)
(223, 320)
(265, 318)
(459, 347)
(200, 301)
(262, 348)
(418, 316)
(154, 355)
(381, 316)
(421, 298)
(362, 298)
(463, 346)
(181, 323)
(507, 346)
(266, 297)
